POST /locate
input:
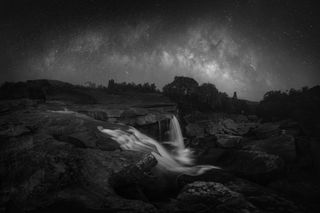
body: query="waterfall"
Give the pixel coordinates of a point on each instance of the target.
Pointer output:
(177, 160)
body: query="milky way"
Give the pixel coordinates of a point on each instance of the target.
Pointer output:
(223, 47)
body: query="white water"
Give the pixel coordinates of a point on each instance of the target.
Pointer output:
(178, 160)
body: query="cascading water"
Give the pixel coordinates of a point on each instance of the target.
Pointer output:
(178, 160)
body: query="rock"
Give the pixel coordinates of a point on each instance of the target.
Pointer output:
(291, 127)
(283, 146)
(14, 131)
(246, 194)
(65, 162)
(253, 118)
(228, 141)
(96, 114)
(263, 198)
(16, 104)
(195, 117)
(230, 126)
(212, 128)
(213, 196)
(194, 130)
(304, 190)
(315, 150)
(147, 119)
(242, 119)
(129, 181)
(303, 150)
(253, 165)
(244, 128)
(266, 130)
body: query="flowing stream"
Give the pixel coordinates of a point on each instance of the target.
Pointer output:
(179, 159)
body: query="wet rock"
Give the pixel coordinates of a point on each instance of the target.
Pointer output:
(283, 146)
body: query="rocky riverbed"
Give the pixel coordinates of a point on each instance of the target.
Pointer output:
(53, 158)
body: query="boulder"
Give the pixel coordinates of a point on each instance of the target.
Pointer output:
(283, 146)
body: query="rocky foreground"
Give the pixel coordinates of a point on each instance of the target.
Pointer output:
(54, 159)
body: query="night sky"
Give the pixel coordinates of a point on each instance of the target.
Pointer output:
(249, 46)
